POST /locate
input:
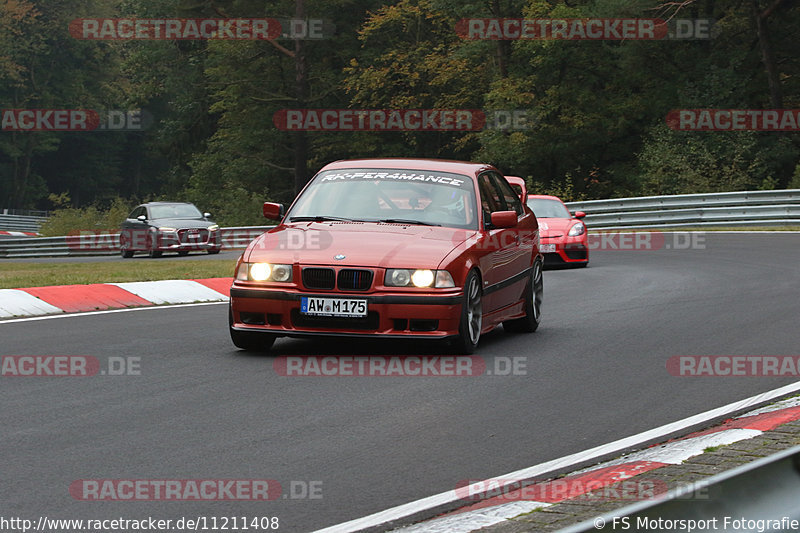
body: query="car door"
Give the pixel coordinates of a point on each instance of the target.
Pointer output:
(136, 230)
(526, 238)
(514, 247)
(500, 246)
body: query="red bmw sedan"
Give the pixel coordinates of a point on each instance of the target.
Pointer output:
(564, 239)
(392, 248)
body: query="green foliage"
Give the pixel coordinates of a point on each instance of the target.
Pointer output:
(563, 189)
(66, 220)
(595, 109)
(794, 183)
(675, 162)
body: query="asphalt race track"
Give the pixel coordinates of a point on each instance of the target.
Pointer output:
(203, 410)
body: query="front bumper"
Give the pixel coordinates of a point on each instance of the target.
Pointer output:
(568, 249)
(390, 314)
(188, 240)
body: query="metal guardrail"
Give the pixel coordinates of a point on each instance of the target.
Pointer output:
(90, 243)
(25, 212)
(728, 209)
(10, 222)
(763, 493)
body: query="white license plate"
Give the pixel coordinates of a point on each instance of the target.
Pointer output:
(547, 248)
(310, 305)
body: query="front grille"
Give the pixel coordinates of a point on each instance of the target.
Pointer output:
(368, 323)
(575, 253)
(193, 236)
(354, 280)
(319, 278)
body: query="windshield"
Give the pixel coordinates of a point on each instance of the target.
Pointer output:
(175, 211)
(544, 208)
(389, 195)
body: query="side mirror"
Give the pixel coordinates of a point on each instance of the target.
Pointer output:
(579, 214)
(504, 219)
(206, 215)
(141, 218)
(273, 211)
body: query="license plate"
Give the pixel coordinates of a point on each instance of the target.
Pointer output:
(547, 248)
(310, 305)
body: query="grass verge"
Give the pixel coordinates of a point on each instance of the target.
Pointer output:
(21, 275)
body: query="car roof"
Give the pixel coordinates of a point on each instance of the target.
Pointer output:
(437, 165)
(166, 203)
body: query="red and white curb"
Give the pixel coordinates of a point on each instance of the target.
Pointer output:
(38, 301)
(18, 234)
(512, 503)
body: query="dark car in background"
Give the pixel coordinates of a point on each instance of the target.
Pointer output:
(158, 227)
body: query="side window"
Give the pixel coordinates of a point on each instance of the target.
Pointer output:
(510, 198)
(490, 199)
(136, 212)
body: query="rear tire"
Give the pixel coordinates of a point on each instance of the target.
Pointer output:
(213, 251)
(249, 340)
(469, 329)
(534, 293)
(124, 245)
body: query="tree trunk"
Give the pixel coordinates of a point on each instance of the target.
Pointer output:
(301, 92)
(767, 56)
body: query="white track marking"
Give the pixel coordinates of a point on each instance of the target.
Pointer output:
(106, 312)
(171, 291)
(14, 302)
(466, 522)
(450, 496)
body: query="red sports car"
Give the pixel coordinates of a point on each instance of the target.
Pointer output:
(563, 236)
(394, 248)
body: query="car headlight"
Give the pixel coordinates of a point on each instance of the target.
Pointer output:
(577, 229)
(264, 272)
(214, 227)
(403, 277)
(167, 229)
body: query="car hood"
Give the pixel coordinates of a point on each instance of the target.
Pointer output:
(179, 223)
(361, 243)
(554, 227)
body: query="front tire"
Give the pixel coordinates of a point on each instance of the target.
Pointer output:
(152, 242)
(534, 293)
(469, 329)
(249, 340)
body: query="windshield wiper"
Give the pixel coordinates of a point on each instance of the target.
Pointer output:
(406, 221)
(320, 218)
